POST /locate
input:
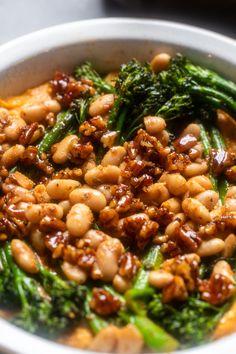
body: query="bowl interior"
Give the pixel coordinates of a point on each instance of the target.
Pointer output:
(33, 59)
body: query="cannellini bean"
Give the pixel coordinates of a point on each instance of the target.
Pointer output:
(208, 198)
(231, 193)
(102, 174)
(156, 193)
(105, 189)
(52, 106)
(160, 62)
(94, 199)
(193, 129)
(120, 284)
(230, 204)
(101, 105)
(24, 256)
(21, 193)
(60, 189)
(195, 169)
(105, 341)
(79, 338)
(12, 155)
(66, 206)
(163, 137)
(129, 340)
(198, 184)
(114, 156)
(211, 247)
(36, 212)
(37, 241)
(230, 245)
(88, 164)
(34, 113)
(160, 278)
(93, 238)
(223, 268)
(61, 149)
(79, 220)
(74, 273)
(154, 125)
(196, 211)
(176, 184)
(40, 193)
(173, 205)
(111, 77)
(107, 256)
(175, 224)
(14, 128)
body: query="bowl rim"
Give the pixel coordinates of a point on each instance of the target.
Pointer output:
(69, 33)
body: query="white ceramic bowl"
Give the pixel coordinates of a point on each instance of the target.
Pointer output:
(32, 59)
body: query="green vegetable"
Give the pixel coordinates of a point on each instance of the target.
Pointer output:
(86, 71)
(154, 336)
(191, 321)
(45, 303)
(65, 122)
(219, 144)
(141, 290)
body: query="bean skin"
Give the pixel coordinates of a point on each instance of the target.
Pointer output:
(79, 220)
(24, 256)
(196, 211)
(94, 199)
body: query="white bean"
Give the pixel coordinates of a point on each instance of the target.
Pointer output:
(156, 194)
(211, 247)
(36, 212)
(230, 245)
(94, 199)
(120, 284)
(14, 128)
(93, 238)
(173, 205)
(193, 129)
(107, 256)
(22, 194)
(24, 256)
(160, 278)
(61, 149)
(74, 273)
(101, 105)
(176, 184)
(175, 224)
(66, 206)
(102, 174)
(79, 220)
(208, 198)
(114, 156)
(60, 189)
(12, 155)
(154, 125)
(195, 169)
(130, 340)
(198, 184)
(196, 211)
(160, 62)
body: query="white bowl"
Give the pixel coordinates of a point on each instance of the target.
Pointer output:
(32, 59)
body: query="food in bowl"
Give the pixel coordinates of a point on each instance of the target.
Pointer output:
(118, 207)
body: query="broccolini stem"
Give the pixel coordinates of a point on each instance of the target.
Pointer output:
(17, 275)
(64, 120)
(219, 144)
(86, 71)
(206, 76)
(207, 150)
(154, 336)
(95, 322)
(151, 260)
(228, 102)
(141, 289)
